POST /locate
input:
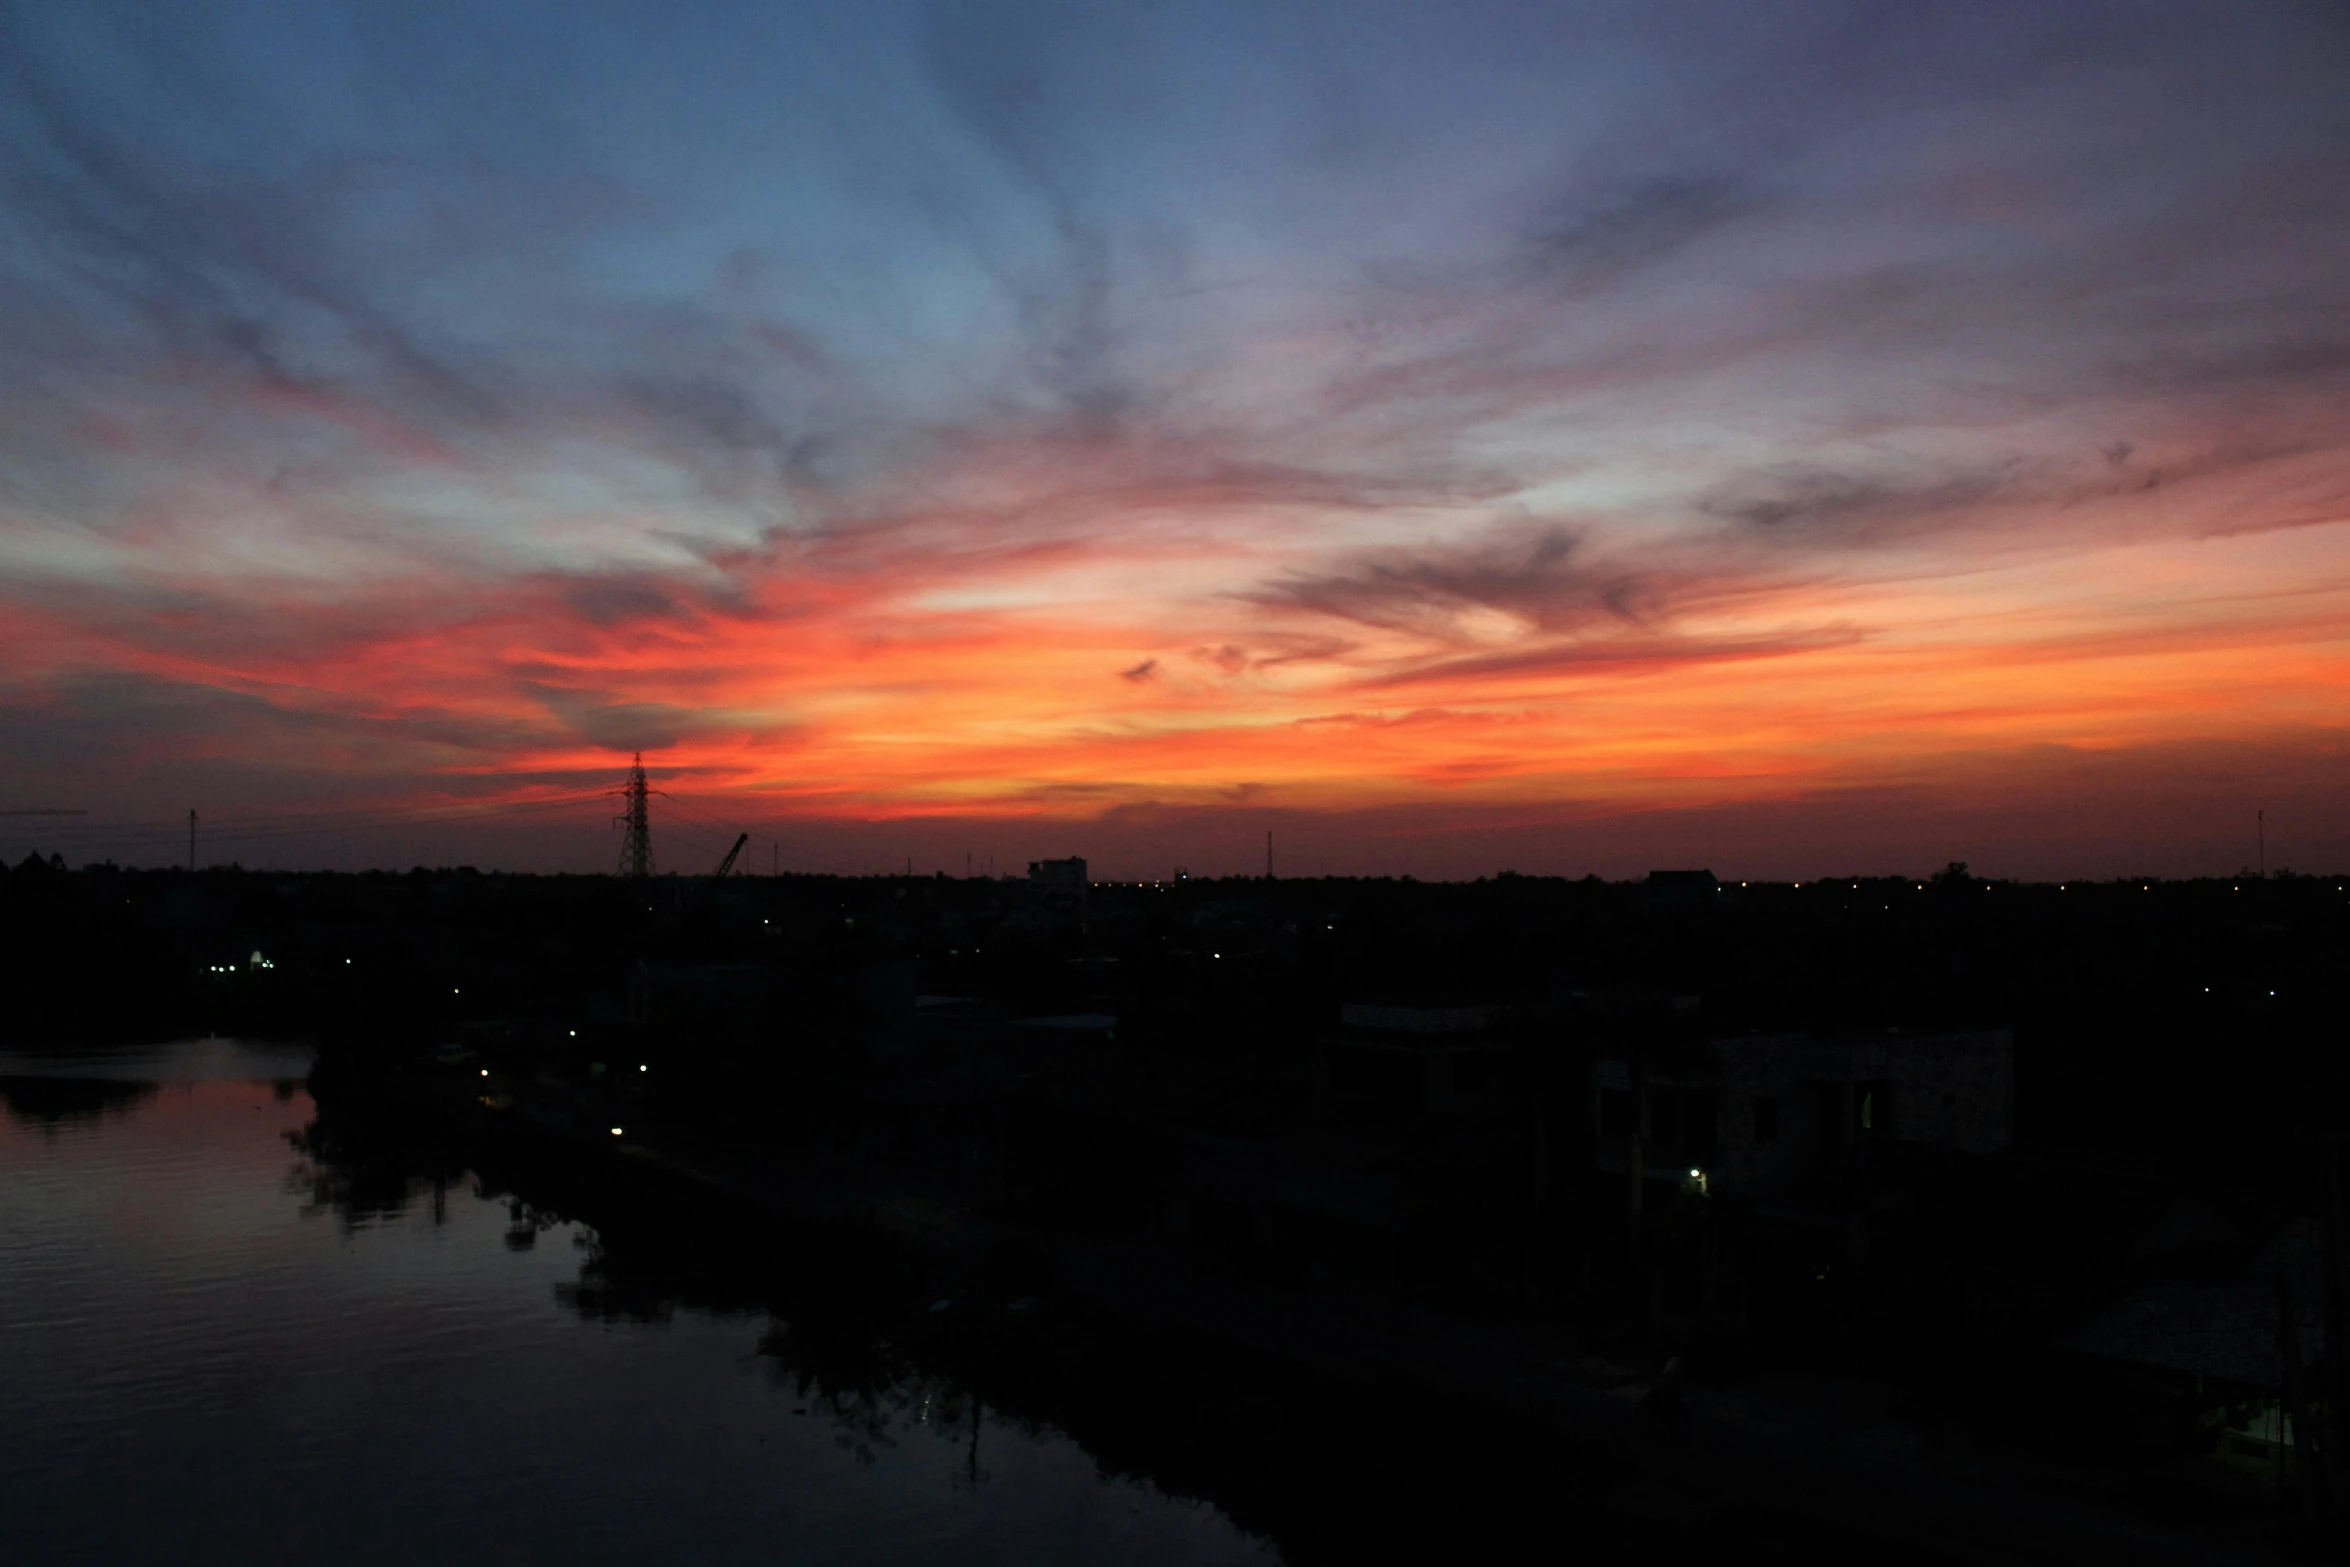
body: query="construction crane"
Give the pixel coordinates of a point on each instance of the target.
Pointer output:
(727, 864)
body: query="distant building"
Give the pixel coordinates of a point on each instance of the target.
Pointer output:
(1760, 1115)
(2214, 1348)
(1679, 892)
(1060, 885)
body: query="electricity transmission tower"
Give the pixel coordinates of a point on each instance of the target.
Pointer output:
(636, 850)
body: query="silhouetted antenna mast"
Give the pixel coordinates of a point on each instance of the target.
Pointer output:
(1268, 856)
(2260, 821)
(636, 849)
(191, 838)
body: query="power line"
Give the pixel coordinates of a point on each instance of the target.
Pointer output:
(823, 859)
(84, 834)
(356, 818)
(157, 838)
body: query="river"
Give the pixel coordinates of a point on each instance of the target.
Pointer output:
(218, 1344)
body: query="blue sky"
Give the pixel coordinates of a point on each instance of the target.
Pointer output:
(847, 402)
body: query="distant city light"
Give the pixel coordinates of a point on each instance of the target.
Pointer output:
(485, 1071)
(616, 1131)
(644, 1069)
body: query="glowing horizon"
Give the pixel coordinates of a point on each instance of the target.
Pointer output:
(1075, 420)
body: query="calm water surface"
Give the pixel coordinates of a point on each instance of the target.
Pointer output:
(201, 1361)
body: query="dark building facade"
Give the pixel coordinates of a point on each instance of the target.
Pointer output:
(1759, 1114)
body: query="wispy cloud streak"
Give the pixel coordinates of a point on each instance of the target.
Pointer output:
(1026, 409)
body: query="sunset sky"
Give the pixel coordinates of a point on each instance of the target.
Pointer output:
(1791, 438)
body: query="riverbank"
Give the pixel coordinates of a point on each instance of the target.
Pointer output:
(1832, 1453)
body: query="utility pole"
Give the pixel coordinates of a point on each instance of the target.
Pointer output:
(1268, 855)
(774, 859)
(636, 849)
(2260, 819)
(191, 839)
